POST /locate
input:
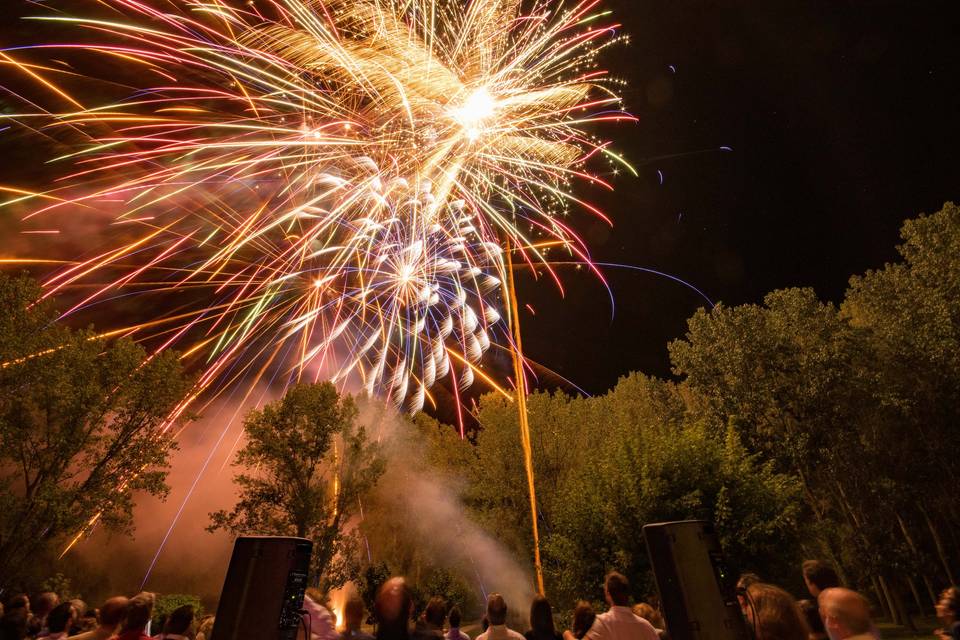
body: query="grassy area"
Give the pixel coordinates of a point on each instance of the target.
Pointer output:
(888, 631)
(925, 627)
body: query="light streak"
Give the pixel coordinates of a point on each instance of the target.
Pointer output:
(341, 177)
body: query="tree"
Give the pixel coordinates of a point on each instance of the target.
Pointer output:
(788, 375)
(369, 582)
(167, 603)
(83, 425)
(910, 313)
(449, 586)
(860, 403)
(606, 466)
(307, 462)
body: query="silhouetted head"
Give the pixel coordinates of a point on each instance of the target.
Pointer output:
(353, 613)
(392, 610)
(648, 613)
(180, 620)
(583, 617)
(113, 611)
(818, 575)
(15, 623)
(44, 603)
(617, 589)
(139, 612)
(62, 616)
(496, 609)
(79, 607)
(436, 612)
(774, 614)
(455, 617)
(20, 601)
(541, 617)
(845, 613)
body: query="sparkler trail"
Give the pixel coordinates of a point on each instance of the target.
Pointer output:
(323, 188)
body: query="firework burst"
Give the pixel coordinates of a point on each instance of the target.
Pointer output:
(338, 178)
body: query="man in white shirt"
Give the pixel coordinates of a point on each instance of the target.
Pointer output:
(497, 616)
(619, 622)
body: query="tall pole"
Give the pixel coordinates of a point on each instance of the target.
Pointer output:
(521, 387)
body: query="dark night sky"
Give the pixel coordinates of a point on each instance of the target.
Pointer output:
(843, 119)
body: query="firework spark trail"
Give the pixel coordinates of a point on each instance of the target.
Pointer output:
(336, 176)
(391, 159)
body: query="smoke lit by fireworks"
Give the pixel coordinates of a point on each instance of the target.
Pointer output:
(324, 187)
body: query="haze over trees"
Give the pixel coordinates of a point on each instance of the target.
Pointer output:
(801, 427)
(83, 427)
(306, 462)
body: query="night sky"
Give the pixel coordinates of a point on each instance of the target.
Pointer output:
(842, 118)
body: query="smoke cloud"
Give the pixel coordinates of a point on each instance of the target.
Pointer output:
(423, 507)
(414, 518)
(170, 534)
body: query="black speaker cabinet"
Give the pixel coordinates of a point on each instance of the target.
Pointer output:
(697, 591)
(263, 590)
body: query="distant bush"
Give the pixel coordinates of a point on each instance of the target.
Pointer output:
(168, 603)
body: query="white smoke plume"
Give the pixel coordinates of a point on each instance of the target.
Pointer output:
(419, 505)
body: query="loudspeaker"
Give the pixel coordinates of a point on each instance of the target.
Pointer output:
(698, 593)
(263, 591)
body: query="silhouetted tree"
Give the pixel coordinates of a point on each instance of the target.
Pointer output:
(306, 462)
(83, 425)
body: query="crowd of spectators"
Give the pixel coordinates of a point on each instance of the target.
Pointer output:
(770, 613)
(45, 617)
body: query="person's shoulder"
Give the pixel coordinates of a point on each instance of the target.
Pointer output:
(516, 635)
(602, 619)
(649, 630)
(645, 623)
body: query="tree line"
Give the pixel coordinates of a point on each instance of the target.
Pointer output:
(800, 427)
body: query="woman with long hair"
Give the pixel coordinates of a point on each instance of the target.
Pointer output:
(774, 614)
(541, 621)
